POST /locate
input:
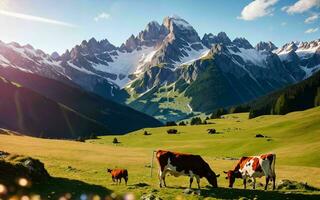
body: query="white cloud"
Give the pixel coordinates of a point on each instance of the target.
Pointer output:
(311, 19)
(35, 18)
(311, 30)
(284, 24)
(257, 8)
(102, 16)
(301, 6)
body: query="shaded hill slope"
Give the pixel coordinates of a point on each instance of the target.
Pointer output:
(118, 118)
(300, 96)
(27, 112)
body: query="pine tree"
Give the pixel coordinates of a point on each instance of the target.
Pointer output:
(281, 106)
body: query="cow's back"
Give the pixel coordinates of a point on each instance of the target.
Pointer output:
(183, 162)
(257, 166)
(119, 173)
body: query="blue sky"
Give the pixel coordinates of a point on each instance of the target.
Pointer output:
(60, 24)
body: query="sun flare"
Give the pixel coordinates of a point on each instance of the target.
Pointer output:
(3, 4)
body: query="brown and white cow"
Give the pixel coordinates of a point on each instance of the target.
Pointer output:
(118, 174)
(254, 167)
(179, 164)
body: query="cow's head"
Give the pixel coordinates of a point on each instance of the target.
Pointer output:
(232, 175)
(212, 178)
(109, 170)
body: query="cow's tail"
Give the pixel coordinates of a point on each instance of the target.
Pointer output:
(152, 161)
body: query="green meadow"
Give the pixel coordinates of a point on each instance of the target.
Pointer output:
(78, 166)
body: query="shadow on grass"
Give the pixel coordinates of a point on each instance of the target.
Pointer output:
(56, 187)
(227, 193)
(140, 185)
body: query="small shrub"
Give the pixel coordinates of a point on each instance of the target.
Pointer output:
(172, 131)
(93, 136)
(218, 113)
(260, 136)
(80, 139)
(196, 121)
(172, 123)
(182, 123)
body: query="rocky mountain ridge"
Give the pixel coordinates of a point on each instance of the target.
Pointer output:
(171, 53)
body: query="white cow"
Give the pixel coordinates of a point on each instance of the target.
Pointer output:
(254, 167)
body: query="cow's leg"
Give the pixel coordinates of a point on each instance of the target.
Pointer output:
(119, 181)
(267, 182)
(126, 179)
(160, 178)
(191, 180)
(164, 178)
(274, 182)
(198, 181)
(254, 183)
(245, 183)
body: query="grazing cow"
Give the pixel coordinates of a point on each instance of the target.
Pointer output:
(253, 167)
(178, 164)
(118, 174)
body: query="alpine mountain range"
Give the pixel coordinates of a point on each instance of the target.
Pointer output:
(168, 71)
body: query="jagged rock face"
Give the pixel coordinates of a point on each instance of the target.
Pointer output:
(90, 49)
(152, 35)
(209, 39)
(301, 59)
(28, 59)
(265, 46)
(131, 44)
(242, 43)
(179, 28)
(181, 42)
(55, 55)
(170, 53)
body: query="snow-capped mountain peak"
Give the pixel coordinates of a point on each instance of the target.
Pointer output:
(221, 38)
(176, 21)
(160, 54)
(242, 43)
(287, 48)
(265, 46)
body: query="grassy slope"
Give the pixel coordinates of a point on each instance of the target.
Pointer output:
(166, 103)
(295, 138)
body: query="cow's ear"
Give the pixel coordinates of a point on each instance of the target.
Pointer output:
(225, 172)
(217, 175)
(226, 177)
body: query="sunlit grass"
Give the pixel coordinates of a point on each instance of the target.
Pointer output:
(295, 138)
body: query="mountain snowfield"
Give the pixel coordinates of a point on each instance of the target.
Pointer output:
(172, 57)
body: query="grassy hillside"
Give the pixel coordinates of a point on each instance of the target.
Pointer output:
(166, 103)
(294, 137)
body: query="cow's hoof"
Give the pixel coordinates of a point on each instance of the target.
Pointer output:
(188, 191)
